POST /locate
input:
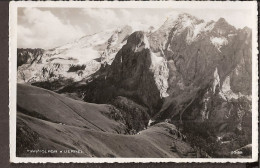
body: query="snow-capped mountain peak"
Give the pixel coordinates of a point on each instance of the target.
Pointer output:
(92, 50)
(182, 20)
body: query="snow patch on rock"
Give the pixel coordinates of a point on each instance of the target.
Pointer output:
(89, 40)
(161, 73)
(198, 29)
(226, 92)
(146, 43)
(218, 42)
(150, 122)
(81, 55)
(156, 59)
(112, 41)
(216, 81)
(185, 21)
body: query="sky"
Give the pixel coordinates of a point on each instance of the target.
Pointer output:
(51, 27)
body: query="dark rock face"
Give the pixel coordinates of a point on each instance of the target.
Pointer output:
(26, 138)
(134, 116)
(193, 60)
(196, 61)
(128, 75)
(25, 56)
(210, 78)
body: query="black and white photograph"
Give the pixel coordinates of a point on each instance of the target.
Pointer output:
(133, 82)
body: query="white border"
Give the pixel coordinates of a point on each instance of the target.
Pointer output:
(128, 4)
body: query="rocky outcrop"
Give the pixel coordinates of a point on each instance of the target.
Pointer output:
(28, 56)
(136, 72)
(134, 116)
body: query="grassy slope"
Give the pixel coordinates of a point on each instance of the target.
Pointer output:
(56, 108)
(84, 127)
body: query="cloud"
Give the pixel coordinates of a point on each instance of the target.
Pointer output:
(101, 19)
(45, 30)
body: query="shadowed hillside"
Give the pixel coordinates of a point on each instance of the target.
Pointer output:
(46, 120)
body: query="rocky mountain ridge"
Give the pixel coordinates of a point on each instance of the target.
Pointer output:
(185, 76)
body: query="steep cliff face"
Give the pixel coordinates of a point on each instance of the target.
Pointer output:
(136, 72)
(210, 75)
(198, 53)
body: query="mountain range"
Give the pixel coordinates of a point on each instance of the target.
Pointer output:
(189, 77)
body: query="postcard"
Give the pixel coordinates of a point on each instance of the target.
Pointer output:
(95, 82)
